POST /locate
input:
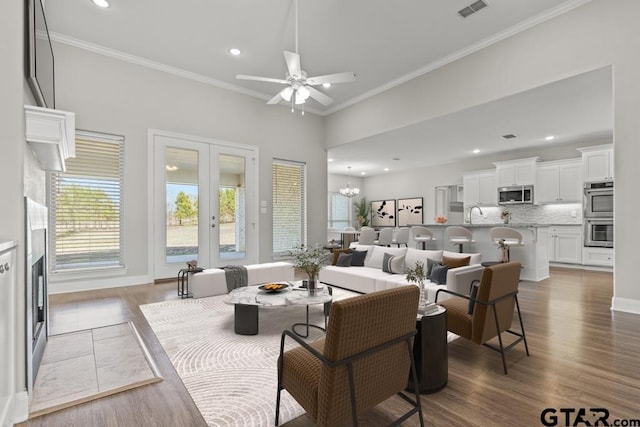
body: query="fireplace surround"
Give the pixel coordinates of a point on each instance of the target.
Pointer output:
(37, 297)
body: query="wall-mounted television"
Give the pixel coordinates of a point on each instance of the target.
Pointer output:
(39, 66)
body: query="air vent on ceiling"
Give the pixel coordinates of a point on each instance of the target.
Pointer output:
(472, 8)
(510, 136)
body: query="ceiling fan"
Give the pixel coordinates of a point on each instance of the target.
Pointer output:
(299, 87)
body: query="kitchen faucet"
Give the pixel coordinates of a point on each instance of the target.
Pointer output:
(471, 210)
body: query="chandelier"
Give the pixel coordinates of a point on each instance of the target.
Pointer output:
(349, 191)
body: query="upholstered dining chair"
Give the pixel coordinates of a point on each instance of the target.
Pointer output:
(365, 358)
(367, 236)
(385, 237)
(488, 310)
(402, 237)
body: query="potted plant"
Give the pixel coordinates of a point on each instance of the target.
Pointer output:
(505, 215)
(417, 274)
(310, 260)
(362, 211)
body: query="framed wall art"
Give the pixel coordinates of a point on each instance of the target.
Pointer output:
(410, 211)
(383, 213)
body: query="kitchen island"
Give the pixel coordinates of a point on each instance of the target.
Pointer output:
(534, 255)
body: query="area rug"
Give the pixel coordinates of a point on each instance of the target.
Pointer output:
(81, 366)
(231, 378)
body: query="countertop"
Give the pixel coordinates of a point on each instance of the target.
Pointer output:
(501, 224)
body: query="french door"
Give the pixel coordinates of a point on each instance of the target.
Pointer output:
(204, 205)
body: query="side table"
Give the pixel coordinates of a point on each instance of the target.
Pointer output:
(430, 352)
(183, 281)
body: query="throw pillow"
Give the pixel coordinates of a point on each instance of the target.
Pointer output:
(336, 254)
(473, 294)
(344, 260)
(397, 264)
(430, 264)
(455, 262)
(358, 257)
(439, 274)
(386, 261)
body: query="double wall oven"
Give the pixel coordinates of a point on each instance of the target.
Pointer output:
(598, 214)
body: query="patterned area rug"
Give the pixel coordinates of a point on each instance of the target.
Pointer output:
(231, 378)
(81, 366)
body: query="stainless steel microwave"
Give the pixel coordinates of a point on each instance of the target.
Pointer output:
(515, 195)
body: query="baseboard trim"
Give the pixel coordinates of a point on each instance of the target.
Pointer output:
(20, 410)
(95, 284)
(625, 305)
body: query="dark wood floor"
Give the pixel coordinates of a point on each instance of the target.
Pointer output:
(582, 356)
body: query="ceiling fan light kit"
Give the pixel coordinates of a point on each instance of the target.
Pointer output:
(300, 87)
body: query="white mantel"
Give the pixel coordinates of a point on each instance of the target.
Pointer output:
(51, 136)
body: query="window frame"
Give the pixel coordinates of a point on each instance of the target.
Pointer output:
(92, 271)
(303, 208)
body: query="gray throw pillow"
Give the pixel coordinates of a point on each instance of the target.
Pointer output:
(344, 260)
(439, 274)
(386, 261)
(473, 294)
(430, 264)
(357, 258)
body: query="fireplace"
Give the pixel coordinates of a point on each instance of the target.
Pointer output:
(37, 298)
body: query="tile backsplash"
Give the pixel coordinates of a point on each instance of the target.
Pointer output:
(570, 213)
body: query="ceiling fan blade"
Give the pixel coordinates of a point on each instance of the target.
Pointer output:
(319, 96)
(293, 64)
(332, 78)
(276, 99)
(261, 79)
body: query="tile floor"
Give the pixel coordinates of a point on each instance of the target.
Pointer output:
(80, 366)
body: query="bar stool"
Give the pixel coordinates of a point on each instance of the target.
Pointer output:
(422, 235)
(459, 236)
(511, 238)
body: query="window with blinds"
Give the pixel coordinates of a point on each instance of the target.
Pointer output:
(339, 209)
(289, 206)
(86, 205)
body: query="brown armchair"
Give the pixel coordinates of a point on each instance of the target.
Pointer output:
(365, 358)
(488, 310)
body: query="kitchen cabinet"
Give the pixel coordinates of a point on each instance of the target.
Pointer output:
(480, 188)
(602, 257)
(597, 163)
(516, 172)
(565, 244)
(559, 182)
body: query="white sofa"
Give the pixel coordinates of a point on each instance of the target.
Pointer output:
(371, 278)
(212, 281)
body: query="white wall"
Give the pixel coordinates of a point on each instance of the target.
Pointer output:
(597, 34)
(113, 96)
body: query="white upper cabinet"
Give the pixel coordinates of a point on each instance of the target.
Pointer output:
(480, 188)
(516, 172)
(559, 182)
(597, 163)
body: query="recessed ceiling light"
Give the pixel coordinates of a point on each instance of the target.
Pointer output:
(326, 85)
(386, 169)
(476, 151)
(235, 51)
(101, 3)
(363, 173)
(549, 138)
(329, 160)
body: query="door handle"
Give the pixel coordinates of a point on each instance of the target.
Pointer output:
(213, 226)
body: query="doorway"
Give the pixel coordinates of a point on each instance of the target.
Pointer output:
(204, 206)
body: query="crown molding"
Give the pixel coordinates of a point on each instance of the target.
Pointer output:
(542, 17)
(513, 30)
(112, 53)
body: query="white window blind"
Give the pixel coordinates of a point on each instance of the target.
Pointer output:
(339, 208)
(289, 206)
(86, 205)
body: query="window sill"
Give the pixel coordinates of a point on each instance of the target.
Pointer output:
(88, 273)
